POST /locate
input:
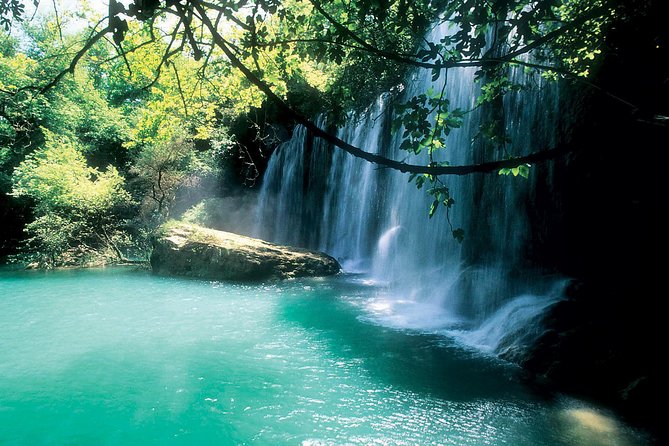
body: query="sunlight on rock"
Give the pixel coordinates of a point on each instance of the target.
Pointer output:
(587, 426)
(592, 420)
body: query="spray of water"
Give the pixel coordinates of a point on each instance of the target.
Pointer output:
(377, 223)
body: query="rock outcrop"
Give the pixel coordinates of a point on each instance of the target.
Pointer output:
(189, 250)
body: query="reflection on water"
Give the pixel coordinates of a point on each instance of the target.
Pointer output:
(122, 357)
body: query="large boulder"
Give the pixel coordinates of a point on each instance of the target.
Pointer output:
(189, 250)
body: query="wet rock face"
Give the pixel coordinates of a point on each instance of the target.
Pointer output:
(599, 343)
(189, 250)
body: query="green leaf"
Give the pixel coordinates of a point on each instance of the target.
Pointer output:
(419, 181)
(433, 208)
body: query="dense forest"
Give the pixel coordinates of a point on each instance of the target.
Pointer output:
(114, 122)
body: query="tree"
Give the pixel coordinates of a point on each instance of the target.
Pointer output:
(260, 37)
(117, 109)
(269, 41)
(162, 168)
(76, 110)
(76, 206)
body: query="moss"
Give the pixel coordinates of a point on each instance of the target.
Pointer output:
(189, 250)
(200, 236)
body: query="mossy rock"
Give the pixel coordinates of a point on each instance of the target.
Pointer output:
(184, 249)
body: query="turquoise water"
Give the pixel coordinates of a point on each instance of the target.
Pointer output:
(120, 357)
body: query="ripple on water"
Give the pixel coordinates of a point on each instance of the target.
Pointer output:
(109, 357)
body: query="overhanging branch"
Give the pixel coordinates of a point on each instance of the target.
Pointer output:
(412, 60)
(92, 40)
(356, 151)
(226, 47)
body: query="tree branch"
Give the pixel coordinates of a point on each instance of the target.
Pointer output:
(169, 52)
(120, 52)
(126, 52)
(73, 64)
(462, 63)
(228, 14)
(592, 14)
(445, 64)
(181, 93)
(356, 151)
(60, 29)
(226, 47)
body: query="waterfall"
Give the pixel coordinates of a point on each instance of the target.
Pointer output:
(376, 222)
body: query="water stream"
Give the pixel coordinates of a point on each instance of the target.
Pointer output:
(377, 223)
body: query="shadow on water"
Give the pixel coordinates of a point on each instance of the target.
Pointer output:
(419, 362)
(437, 367)
(145, 360)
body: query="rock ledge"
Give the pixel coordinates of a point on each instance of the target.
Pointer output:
(184, 249)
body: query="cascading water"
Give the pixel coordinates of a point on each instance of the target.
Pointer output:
(377, 223)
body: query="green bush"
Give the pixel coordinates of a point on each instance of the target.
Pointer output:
(77, 208)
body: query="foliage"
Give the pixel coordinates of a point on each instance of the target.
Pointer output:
(208, 213)
(426, 122)
(162, 168)
(349, 51)
(104, 122)
(51, 239)
(579, 49)
(172, 75)
(58, 178)
(75, 109)
(11, 9)
(75, 204)
(20, 113)
(523, 170)
(360, 47)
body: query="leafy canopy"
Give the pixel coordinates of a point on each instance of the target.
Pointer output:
(252, 50)
(198, 62)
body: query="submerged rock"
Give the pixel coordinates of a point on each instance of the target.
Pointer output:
(193, 251)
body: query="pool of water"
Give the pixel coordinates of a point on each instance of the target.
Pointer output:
(118, 356)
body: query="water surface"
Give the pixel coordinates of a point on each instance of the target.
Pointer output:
(117, 356)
